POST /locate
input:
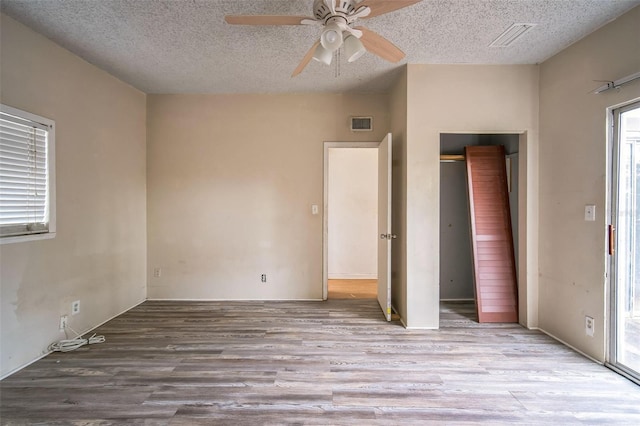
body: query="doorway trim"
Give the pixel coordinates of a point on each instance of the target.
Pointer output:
(325, 205)
(527, 222)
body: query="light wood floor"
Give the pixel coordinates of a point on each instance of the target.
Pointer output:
(335, 362)
(352, 289)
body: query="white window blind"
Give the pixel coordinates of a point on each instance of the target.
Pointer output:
(24, 176)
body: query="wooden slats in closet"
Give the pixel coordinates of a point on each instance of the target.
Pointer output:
(491, 235)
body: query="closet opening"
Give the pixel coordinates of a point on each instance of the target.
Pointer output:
(457, 292)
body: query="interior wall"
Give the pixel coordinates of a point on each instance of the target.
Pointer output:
(353, 213)
(456, 272)
(231, 181)
(398, 107)
(573, 172)
(99, 253)
(463, 99)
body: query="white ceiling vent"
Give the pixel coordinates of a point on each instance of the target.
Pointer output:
(512, 34)
(361, 124)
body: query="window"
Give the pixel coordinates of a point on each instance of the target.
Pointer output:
(27, 178)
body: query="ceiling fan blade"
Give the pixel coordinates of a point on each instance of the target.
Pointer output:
(380, 7)
(354, 32)
(309, 21)
(265, 20)
(306, 59)
(361, 12)
(380, 46)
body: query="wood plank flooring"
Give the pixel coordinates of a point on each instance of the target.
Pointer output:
(335, 362)
(353, 289)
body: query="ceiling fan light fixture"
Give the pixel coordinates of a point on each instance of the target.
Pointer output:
(337, 18)
(353, 48)
(323, 55)
(331, 38)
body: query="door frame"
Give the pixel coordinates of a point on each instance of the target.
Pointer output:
(611, 288)
(325, 204)
(527, 255)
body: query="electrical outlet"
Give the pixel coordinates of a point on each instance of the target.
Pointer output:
(263, 278)
(63, 322)
(157, 272)
(75, 307)
(589, 326)
(590, 212)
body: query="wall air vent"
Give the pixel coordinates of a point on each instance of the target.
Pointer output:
(512, 34)
(361, 124)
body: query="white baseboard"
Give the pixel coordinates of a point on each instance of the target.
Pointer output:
(404, 324)
(231, 300)
(15, 370)
(567, 345)
(116, 315)
(457, 300)
(421, 328)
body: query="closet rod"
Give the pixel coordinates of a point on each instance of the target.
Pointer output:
(445, 157)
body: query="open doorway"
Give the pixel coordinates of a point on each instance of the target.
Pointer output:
(352, 222)
(383, 235)
(456, 267)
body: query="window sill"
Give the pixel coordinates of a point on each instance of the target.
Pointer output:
(27, 238)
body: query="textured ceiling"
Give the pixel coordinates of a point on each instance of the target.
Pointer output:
(184, 46)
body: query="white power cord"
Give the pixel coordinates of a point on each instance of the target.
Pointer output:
(68, 345)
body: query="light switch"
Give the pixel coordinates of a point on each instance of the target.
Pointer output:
(314, 209)
(590, 212)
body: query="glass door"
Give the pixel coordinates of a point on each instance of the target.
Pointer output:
(624, 243)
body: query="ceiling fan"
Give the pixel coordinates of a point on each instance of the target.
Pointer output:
(337, 17)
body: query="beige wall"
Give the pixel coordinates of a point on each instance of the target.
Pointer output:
(573, 172)
(231, 180)
(353, 213)
(99, 253)
(462, 99)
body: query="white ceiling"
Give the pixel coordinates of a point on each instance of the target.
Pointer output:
(184, 46)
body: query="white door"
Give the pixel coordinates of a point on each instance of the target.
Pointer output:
(384, 226)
